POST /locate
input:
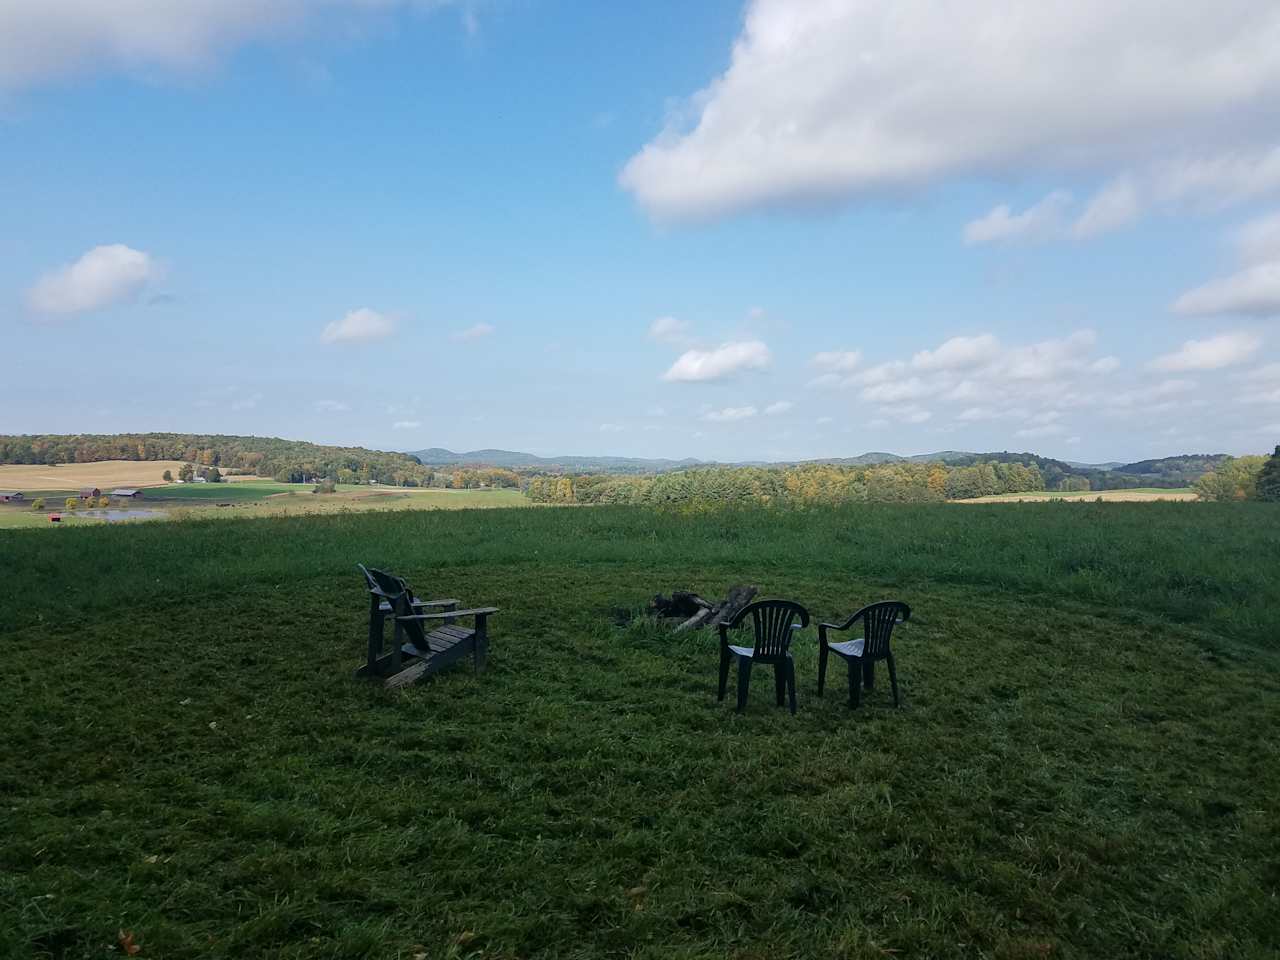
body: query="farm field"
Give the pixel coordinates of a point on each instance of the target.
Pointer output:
(255, 497)
(70, 477)
(1136, 495)
(1084, 766)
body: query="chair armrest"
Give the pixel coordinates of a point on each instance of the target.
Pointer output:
(436, 603)
(476, 612)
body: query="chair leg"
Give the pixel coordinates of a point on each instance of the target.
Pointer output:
(868, 673)
(744, 681)
(893, 679)
(779, 683)
(822, 667)
(855, 683)
(791, 684)
(725, 657)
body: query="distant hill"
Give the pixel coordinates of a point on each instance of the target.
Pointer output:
(513, 459)
(1166, 472)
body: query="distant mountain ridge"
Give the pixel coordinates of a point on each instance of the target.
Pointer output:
(1182, 469)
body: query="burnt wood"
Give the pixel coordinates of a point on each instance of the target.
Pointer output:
(878, 621)
(773, 623)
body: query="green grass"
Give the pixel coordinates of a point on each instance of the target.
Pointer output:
(1085, 765)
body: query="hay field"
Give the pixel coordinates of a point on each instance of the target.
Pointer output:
(72, 476)
(1137, 495)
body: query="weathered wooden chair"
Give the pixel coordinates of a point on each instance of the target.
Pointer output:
(417, 652)
(774, 624)
(383, 590)
(878, 621)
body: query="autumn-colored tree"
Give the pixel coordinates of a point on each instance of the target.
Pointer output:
(1268, 483)
(37, 503)
(71, 503)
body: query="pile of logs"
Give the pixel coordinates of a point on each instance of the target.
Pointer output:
(695, 612)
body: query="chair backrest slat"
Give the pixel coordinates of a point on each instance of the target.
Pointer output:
(413, 629)
(772, 621)
(878, 621)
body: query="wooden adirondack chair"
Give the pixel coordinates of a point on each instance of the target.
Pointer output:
(774, 623)
(878, 621)
(417, 651)
(383, 590)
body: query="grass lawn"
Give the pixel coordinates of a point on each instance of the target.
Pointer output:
(1085, 765)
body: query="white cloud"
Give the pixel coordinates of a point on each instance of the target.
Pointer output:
(669, 330)
(1045, 430)
(103, 276)
(1254, 291)
(474, 332)
(1267, 373)
(406, 425)
(331, 406)
(781, 406)
(837, 361)
(359, 326)
(1115, 205)
(832, 101)
(1258, 241)
(823, 420)
(724, 361)
(958, 353)
(906, 413)
(1039, 222)
(1213, 353)
(611, 428)
(45, 39)
(730, 414)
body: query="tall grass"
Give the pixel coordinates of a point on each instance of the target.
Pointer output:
(1211, 565)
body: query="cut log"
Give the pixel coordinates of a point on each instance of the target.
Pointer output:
(739, 597)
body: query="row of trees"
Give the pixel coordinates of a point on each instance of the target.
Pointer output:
(1242, 478)
(290, 461)
(809, 484)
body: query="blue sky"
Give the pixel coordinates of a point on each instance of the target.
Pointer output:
(734, 231)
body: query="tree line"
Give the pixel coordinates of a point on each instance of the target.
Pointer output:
(810, 484)
(289, 461)
(1242, 478)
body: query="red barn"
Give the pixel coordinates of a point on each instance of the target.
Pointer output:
(90, 493)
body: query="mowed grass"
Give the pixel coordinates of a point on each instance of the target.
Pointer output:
(1133, 495)
(258, 498)
(1085, 764)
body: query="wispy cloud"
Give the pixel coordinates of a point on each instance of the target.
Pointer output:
(359, 326)
(729, 414)
(475, 332)
(1213, 353)
(724, 361)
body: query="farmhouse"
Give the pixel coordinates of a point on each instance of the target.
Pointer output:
(127, 493)
(10, 496)
(90, 493)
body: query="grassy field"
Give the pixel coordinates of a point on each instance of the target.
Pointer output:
(72, 476)
(1136, 495)
(255, 497)
(1085, 764)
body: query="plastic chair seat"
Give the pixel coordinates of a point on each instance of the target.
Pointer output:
(848, 648)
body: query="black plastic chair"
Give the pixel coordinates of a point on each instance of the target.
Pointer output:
(878, 621)
(774, 623)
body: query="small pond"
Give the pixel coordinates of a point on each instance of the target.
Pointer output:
(117, 516)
